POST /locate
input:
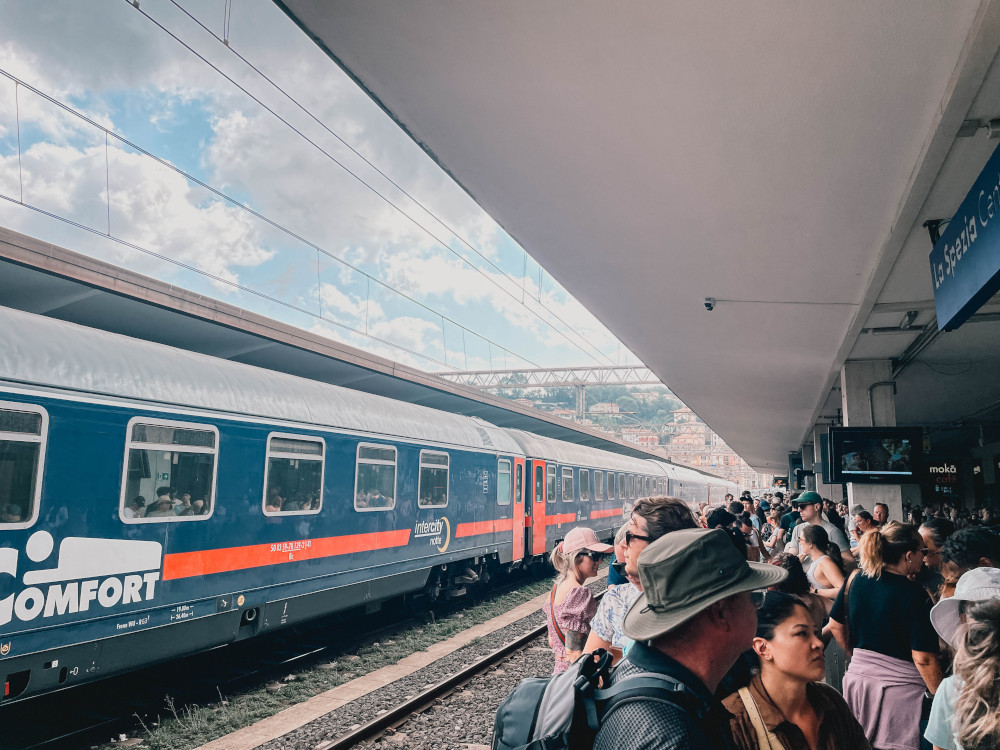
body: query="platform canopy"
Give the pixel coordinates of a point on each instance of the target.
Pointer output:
(777, 157)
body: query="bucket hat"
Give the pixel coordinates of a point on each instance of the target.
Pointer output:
(583, 538)
(976, 585)
(686, 571)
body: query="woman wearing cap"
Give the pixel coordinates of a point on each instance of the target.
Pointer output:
(965, 712)
(884, 619)
(786, 705)
(571, 606)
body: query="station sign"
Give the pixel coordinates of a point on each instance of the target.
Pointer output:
(965, 262)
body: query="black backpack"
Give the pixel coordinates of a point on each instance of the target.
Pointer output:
(565, 711)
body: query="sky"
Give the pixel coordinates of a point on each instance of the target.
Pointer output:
(353, 232)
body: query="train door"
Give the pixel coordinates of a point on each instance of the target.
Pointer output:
(538, 511)
(518, 508)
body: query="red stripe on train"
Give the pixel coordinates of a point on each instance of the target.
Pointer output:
(606, 513)
(484, 527)
(206, 562)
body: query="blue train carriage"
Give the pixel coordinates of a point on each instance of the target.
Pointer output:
(158, 502)
(695, 487)
(574, 485)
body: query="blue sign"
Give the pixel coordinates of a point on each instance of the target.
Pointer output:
(965, 262)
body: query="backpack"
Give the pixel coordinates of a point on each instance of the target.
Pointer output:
(565, 711)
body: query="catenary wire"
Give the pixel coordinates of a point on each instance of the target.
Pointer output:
(236, 203)
(357, 177)
(219, 279)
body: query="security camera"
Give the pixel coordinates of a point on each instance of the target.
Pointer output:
(710, 303)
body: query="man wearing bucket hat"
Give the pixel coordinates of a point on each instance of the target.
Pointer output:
(691, 622)
(960, 623)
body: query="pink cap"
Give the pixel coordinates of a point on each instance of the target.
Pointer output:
(583, 538)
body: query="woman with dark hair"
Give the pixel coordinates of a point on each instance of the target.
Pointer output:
(882, 620)
(826, 573)
(798, 584)
(934, 532)
(785, 705)
(972, 547)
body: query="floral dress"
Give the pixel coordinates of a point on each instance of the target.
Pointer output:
(574, 612)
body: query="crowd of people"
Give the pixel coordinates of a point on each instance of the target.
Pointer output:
(167, 504)
(864, 631)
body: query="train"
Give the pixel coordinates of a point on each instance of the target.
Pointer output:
(157, 502)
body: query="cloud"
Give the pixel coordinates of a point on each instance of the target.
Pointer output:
(107, 59)
(151, 206)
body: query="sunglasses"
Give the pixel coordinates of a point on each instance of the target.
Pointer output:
(595, 556)
(629, 536)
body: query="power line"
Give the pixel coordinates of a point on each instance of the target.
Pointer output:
(234, 202)
(214, 277)
(226, 42)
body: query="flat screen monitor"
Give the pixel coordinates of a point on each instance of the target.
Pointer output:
(876, 455)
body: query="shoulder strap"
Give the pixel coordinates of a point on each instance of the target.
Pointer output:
(766, 740)
(647, 685)
(552, 612)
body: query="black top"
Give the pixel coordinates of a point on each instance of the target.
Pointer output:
(789, 520)
(696, 722)
(890, 615)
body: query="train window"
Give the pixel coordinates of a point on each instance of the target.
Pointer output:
(567, 484)
(611, 485)
(169, 474)
(22, 450)
(539, 484)
(649, 486)
(621, 486)
(584, 484)
(503, 482)
(519, 483)
(433, 485)
(375, 485)
(631, 486)
(598, 485)
(293, 475)
(550, 483)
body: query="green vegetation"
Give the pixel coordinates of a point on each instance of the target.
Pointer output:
(191, 726)
(651, 409)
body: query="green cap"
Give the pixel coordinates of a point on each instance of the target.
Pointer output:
(807, 498)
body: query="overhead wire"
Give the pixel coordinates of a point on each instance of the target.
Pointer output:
(225, 41)
(219, 279)
(236, 203)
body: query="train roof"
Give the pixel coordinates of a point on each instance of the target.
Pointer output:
(580, 455)
(675, 471)
(38, 350)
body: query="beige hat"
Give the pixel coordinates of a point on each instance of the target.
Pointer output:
(583, 538)
(976, 585)
(686, 571)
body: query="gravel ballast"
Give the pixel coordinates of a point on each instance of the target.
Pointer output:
(461, 720)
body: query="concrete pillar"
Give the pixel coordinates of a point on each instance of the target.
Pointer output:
(866, 404)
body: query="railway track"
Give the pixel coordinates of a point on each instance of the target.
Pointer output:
(91, 714)
(401, 713)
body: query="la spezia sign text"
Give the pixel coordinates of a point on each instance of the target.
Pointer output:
(965, 262)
